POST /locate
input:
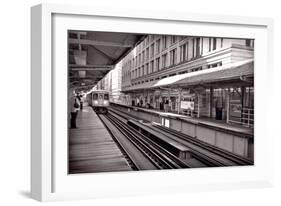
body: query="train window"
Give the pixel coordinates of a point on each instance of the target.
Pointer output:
(100, 96)
(95, 96)
(106, 96)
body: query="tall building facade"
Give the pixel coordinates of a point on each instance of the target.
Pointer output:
(196, 76)
(112, 83)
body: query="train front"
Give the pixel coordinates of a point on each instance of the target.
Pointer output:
(100, 102)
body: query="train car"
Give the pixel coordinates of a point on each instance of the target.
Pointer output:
(99, 100)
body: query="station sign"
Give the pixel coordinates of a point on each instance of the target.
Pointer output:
(187, 105)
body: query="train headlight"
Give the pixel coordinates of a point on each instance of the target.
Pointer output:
(105, 102)
(95, 102)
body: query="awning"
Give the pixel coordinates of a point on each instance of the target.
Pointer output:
(226, 72)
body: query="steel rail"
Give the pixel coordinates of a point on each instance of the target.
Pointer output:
(158, 154)
(218, 151)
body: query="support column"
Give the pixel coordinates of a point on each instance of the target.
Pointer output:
(198, 105)
(179, 100)
(227, 105)
(211, 101)
(169, 97)
(242, 103)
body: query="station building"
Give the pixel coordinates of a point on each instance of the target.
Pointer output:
(112, 83)
(202, 77)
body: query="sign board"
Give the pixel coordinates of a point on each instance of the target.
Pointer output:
(235, 110)
(187, 105)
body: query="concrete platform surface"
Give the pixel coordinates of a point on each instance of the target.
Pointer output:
(91, 147)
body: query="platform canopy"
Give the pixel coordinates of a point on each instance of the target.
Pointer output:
(92, 54)
(241, 71)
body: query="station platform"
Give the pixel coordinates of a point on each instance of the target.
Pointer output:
(231, 137)
(208, 122)
(91, 147)
(219, 124)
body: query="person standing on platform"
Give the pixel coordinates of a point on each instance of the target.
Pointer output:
(81, 102)
(74, 105)
(78, 98)
(219, 106)
(166, 105)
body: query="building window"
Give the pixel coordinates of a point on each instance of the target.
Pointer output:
(214, 43)
(193, 48)
(139, 60)
(142, 70)
(165, 39)
(197, 47)
(147, 54)
(248, 42)
(152, 50)
(158, 46)
(174, 39)
(184, 52)
(158, 64)
(142, 57)
(173, 57)
(146, 41)
(210, 44)
(181, 38)
(152, 66)
(146, 67)
(164, 60)
(151, 38)
(221, 42)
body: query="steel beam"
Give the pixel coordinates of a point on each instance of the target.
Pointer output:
(98, 43)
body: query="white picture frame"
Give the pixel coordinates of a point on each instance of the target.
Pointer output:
(49, 181)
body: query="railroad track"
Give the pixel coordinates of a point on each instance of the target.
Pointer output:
(159, 156)
(223, 153)
(204, 152)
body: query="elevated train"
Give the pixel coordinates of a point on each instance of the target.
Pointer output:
(99, 100)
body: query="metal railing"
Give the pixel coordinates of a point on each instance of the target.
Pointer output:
(247, 117)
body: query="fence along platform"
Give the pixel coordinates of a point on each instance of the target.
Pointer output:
(91, 147)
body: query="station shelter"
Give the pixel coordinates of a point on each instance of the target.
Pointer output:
(224, 93)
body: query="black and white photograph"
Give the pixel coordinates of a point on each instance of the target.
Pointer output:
(151, 102)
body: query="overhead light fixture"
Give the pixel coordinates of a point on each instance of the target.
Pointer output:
(80, 57)
(82, 74)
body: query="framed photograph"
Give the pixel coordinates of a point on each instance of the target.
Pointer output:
(140, 102)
